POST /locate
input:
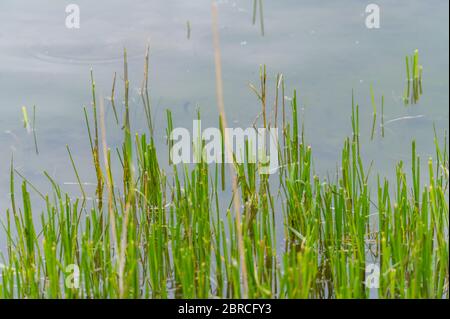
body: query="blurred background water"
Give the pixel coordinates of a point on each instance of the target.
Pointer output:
(323, 48)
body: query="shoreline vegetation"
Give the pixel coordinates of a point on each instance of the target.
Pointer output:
(164, 234)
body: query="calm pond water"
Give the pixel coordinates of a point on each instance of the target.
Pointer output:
(323, 48)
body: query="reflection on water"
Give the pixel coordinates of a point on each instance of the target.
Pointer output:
(322, 48)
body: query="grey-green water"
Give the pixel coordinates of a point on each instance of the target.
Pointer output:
(323, 48)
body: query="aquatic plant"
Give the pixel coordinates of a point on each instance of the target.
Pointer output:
(414, 72)
(167, 233)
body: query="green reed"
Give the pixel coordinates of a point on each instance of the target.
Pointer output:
(414, 72)
(169, 234)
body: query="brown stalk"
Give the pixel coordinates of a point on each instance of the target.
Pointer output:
(221, 107)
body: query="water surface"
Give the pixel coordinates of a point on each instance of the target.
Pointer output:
(323, 48)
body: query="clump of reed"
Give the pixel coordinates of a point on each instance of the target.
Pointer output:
(166, 234)
(414, 72)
